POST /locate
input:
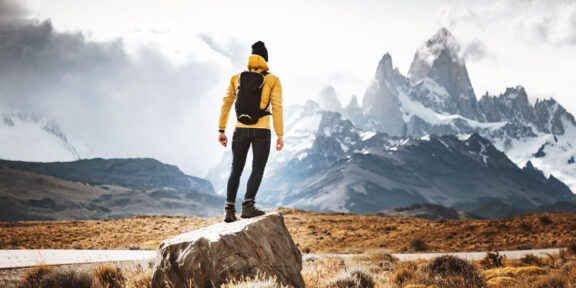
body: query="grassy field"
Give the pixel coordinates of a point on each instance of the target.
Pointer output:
(313, 232)
(367, 240)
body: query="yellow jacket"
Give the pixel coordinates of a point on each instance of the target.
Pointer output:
(272, 91)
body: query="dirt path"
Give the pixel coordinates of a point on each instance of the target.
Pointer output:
(10, 259)
(27, 258)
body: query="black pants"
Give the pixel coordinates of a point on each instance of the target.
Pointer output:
(242, 139)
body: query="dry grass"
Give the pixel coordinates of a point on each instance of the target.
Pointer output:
(142, 232)
(313, 232)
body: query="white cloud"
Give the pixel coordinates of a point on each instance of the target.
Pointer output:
(119, 106)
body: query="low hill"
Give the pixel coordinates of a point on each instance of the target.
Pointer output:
(118, 189)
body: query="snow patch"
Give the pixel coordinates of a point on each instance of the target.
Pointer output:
(36, 140)
(411, 108)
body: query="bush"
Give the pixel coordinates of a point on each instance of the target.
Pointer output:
(572, 248)
(402, 276)
(354, 279)
(545, 220)
(449, 271)
(418, 245)
(531, 260)
(45, 276)
(492, 260)
(139, 279)
(34, 277)
(109, 276)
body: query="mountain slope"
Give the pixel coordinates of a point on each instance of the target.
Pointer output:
(101, 189)
(135, 173)
(438, 169)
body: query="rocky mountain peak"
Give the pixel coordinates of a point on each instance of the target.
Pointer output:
(439, 59)
(328, 100)
(385, 68)
(380, 103)
(551, 117)
(354, 112)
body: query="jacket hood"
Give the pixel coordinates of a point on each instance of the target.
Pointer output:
(257, 62)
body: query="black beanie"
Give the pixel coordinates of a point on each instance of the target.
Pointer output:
(259, 48)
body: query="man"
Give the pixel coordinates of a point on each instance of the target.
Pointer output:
(256, 135)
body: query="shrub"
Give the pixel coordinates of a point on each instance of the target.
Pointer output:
(139, 279)
(109, 276)
(44, 276)
(34, 277)
(531, 260)
(492, 260)
(71, 279)
(449, 271)
(545, 220)
(572, 248)
(526, 227)
(418, 245)
(353, 279)
(402, 276)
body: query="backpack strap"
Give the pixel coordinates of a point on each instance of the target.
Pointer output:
(264, 73)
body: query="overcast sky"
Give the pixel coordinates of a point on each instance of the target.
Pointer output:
(170, 60)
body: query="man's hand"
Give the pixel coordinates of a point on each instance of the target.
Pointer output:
(279, 144)
(222, 139)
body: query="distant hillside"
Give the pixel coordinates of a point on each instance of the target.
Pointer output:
(101, 189)
(135, 173)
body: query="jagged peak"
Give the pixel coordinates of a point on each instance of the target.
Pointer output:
(353, 102)
(442, 41)
(516, 94)
(385, 66)
(328, 99)
(443, 35)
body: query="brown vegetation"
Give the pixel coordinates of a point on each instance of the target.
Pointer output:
(371, 269)
(313, 232)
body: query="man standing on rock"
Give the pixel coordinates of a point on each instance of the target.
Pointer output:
(252, 129)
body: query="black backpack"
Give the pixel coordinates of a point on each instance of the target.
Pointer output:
(249, 96)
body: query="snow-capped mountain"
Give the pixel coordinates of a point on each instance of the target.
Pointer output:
(439, 59)
(438, 98)
(437, 169)
(28, 138)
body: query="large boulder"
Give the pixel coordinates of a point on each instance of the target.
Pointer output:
(213, 255)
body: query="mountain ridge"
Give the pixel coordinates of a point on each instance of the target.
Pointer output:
(101, 189)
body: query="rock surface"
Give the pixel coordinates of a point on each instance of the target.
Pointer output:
(211, 256)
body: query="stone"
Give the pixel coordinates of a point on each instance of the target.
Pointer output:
(213, 255)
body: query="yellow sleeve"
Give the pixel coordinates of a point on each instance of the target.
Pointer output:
(277, 113)
(227, 103)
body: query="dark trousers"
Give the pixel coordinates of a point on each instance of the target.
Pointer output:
(242, 139)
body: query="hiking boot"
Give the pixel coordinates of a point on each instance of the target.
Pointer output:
(229, 213)
(249, 210)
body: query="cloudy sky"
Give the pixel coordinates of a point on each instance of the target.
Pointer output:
(144, 78)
